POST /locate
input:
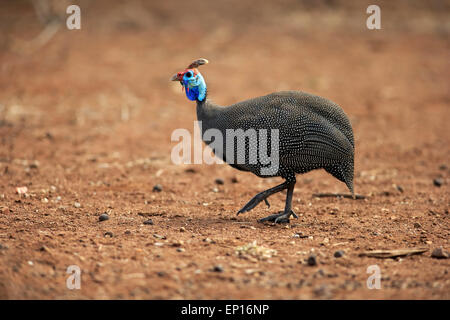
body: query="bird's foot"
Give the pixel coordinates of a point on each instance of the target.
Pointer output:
(280, 217)
(254, 202)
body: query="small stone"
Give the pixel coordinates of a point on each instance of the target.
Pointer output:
(182, 229)
(334, 211)
(443, 167)
(108, 234)
(128, 232)
(437, 182)
(440, 253)
(400, 188)
(103, 217)
(77, 205)
(180, 250)
(34, 165)
(177, 243)
(339, 254)
(299, 235)
(21, 190)
(312, 261)
(157, 236)
(219, 181)
(215, 190)
(320, 273)
(4, 210)
(157, 188)
(148, 222)
(217, 268)
(234, 180)
(417, 225)
(44, 200)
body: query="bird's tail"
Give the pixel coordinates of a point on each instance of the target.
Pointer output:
(348, 173)
(344, 172)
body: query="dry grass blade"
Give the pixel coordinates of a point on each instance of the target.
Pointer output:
(393, 253)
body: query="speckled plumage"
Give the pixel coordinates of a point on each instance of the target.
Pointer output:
(313, 133)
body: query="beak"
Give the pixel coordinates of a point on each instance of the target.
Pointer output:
(175, 77)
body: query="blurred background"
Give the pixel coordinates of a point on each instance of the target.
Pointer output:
(91, 111)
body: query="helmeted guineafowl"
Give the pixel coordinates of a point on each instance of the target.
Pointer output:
(312, 133)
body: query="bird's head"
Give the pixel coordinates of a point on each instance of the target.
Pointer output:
(192, 81)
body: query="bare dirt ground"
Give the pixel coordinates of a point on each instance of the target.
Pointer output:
(86, 120)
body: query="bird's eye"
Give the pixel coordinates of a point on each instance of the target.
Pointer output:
(188, 74)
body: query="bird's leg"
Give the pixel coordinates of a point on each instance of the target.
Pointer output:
(263, 196)
(283, 217)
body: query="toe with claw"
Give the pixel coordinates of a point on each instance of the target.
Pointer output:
(280, 217)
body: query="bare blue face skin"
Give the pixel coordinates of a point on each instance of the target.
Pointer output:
(194, 85)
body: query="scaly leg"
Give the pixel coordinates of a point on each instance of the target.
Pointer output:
(262, 196)
(284, 216)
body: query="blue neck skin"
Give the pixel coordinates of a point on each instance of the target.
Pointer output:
(195, 87)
